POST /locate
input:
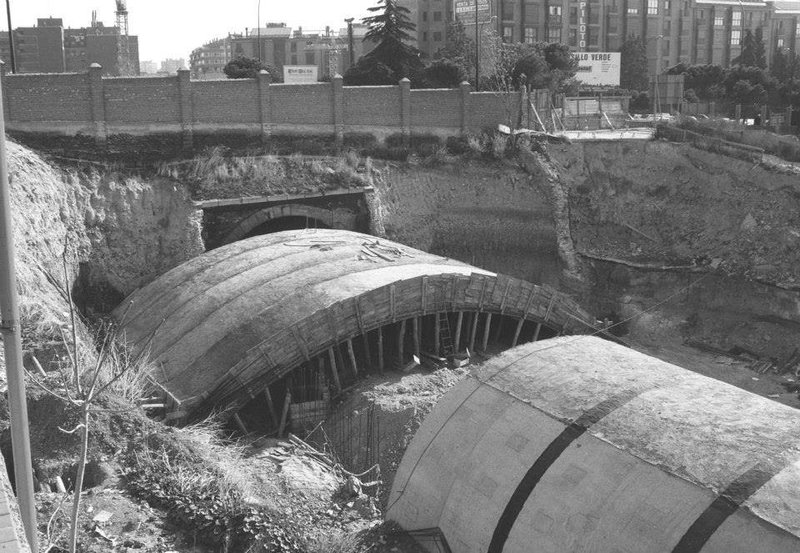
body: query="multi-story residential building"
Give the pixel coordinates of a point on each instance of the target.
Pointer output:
(148, 67)
(281, 45)
(431, 18)
(691, 31)
(208, 61)
(170, 66)
(50, 48)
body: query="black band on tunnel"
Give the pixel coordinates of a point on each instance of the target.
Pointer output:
(546, 460)
(724, 506)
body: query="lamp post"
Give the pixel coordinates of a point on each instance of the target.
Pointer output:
(350, 45)
(258, 31)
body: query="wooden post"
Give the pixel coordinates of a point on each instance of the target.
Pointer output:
(240, 423)
(517, 331)
(499, 329)
(381, 365)
(273, 414)
(536, 332)
(365, 339)
(474, 330)
(352, 355)
(457, 341)
(486, 331)
(437, 330)
(286, 402)
(416, 331)
(401, 338)
(334, 372)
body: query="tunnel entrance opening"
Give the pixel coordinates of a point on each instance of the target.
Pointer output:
(291, 222)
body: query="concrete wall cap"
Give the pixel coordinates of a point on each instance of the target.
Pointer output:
(337, 76)
(405, 80)
(95, 65)
(263, 72)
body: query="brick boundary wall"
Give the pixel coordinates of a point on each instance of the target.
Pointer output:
(96, 107)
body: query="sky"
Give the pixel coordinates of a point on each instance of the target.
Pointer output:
(173, 28)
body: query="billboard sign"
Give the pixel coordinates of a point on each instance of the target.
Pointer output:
(598, 68)
(300, 74)
(465, 11)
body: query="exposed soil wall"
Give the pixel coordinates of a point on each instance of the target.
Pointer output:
(728, 229)
(120, 232)
(490, 214)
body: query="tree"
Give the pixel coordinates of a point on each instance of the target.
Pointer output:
(443, 73)
(459, 49)
(248, 68)
(633, 73)
(785, 66)
(390, 29)
(753, 54)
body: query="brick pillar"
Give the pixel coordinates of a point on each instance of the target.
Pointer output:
(712, 107)
(187, 115)
(6, 108)
(764, 115)
(265, 105)
(738, 113)
(405, 110)
(788, 120)
(337, 84)
(98, 103)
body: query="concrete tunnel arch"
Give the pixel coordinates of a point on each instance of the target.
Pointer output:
(580, 444)
(330, 218)
(225, 325)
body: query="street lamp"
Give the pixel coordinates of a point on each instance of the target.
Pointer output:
(349, 22)
(258, 31)
(11, 38)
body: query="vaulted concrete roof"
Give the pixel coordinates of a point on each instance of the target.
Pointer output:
(580, 444)
(224, 325)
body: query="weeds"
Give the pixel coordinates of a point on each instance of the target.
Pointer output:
(198, 478)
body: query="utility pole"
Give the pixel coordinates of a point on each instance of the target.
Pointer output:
(477, 50)
(12, 348)
(11, 37)
(350, 45)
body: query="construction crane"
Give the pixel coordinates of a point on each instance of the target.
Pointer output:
(123, 42)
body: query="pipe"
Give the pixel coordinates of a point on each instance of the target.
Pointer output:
(12, 347)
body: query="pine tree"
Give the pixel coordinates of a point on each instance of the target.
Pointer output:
(753, 53)
(390, 28)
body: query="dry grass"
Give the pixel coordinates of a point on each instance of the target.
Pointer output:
(786, 147)
(218, 175)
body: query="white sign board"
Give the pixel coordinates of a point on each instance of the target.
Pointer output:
(300, 74)
(465, 11)
(598, 68)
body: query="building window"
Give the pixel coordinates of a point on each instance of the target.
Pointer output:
(633, 10)
(736, 19)
(293, 47)
(612, 26)
(780, 43)
(736, 36)
(437, 16)
(424, 36)
(719, 21)
(310, 58)
(593, 37)
(573, 16)
(573, 37)
(530, 35)
(701, 14)
(508, 34)
(652, 7)
(797, 29)
(554, 10)
(424, 16)
(437, 36)
(554, 34)
(294, 59)
(666, 6)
